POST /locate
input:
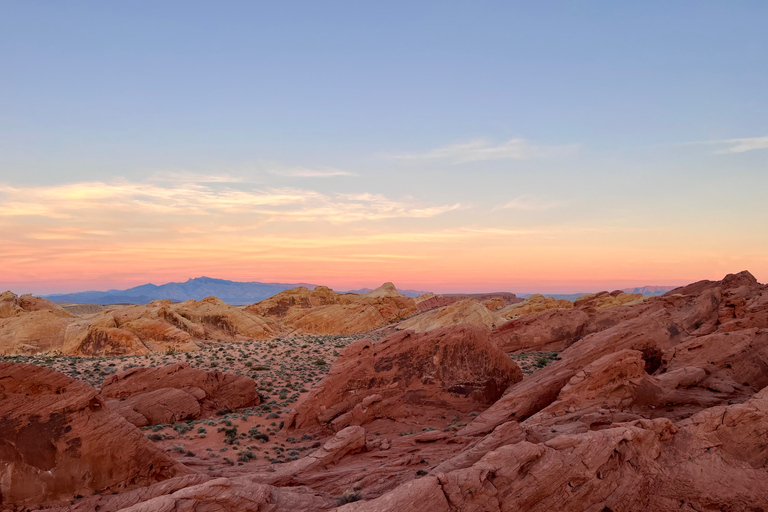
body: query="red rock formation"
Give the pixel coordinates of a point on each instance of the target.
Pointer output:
(454, 366)
(30, 324)
(431, 301)
(465, 311)
(659, 411)
(323, 311)
(605, 300)
(162, 325)
(176, 392)
(58, 439)
(660, 405)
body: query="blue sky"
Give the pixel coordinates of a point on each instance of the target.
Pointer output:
(549, 117)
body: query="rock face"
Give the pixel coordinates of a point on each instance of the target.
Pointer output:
(405, 372)
(429, 301)
(605, 300)
(30, 324)
(533, 305)
(162, 325)
(664, 407)
(175, 393)
(465, 311)
(57, 439)
(323, 311)
(561, 323)
(655, 405)
(491, 300)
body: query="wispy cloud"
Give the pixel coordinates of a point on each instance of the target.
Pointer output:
(305, 172)
(483, 150)
(182, 198)
(531, 203)
(735, 145)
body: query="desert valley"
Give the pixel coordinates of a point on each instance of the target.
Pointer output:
(317, 400)
(383, 256)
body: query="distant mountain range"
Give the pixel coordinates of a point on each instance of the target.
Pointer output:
(232, 292)
(241, 293)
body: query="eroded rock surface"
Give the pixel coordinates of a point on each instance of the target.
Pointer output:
(652, 406)
(30, 324)
(408, 371)
(58, 439)
(175, 393)
(323, 311)
(465, 311)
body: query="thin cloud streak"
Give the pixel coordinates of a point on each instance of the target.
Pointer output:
(305, 172)
(483, 150)
(736, 145)
(79, 201)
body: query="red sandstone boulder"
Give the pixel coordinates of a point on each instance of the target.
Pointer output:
(57, 439)
(406, 371)
(175, 393)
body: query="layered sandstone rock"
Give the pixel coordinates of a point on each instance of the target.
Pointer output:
(429, 301)
(322, 311)
(161, 326)
(657, 405)
(58, 439)
(30, 324)
(455, 366)
(605, 300)
(176, 392)
(465, 311)
(664, 407)
(713, 461)
(533, 305)
(493, 301)
(494, 304)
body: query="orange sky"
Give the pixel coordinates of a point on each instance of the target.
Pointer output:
(95, 235)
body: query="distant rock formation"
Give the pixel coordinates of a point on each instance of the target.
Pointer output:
(534, 304)
(161, 326)
(323, 311)
(430, 301)
(29, 325)
(465, 311)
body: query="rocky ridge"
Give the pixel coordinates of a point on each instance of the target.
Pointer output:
(650, 405)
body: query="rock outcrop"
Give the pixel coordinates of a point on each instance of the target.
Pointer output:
(494, 301)
(162, 325)
(455, 367)
(533, 305)
(175, 393)
(652, 405)
(605, 300)
(30, 324)
(323, 311)
(664, 407)
(58, 439)
(465, 311)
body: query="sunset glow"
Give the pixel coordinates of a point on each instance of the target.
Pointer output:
(514, 171)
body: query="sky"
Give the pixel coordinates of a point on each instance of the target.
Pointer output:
(444, 146)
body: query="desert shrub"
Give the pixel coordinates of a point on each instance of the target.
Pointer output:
(348, 497)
